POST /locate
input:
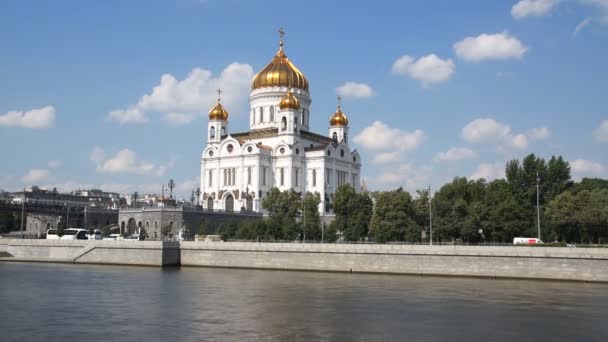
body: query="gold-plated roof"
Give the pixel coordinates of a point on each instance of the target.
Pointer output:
(289, 101)
(218, 112)
(280, 72)
(339, 118)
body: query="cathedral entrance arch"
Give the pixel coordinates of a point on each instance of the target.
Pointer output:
(229, 203)
(210, 203)
(249, 203)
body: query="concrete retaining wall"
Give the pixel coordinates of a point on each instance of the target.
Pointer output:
(581, 264)
(145, 253)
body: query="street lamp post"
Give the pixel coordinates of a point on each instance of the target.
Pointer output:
(22, 211)
(430, 218)
(538, 204)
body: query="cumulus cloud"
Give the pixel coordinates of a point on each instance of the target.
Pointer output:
(379, 136)
(456, 153)
(408, 176)
(355, 90)
(53, 164)
(533, 8)
(181, 101)
(36, 175)
(41, 118)
(539, 133)
(386, 157)
(588, 168)
(428, 69)
(490, 46)
(126, 161)
(97, 155)
(601, 133)
(489, 172)
(485, 129)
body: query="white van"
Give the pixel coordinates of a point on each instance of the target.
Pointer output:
(526, 241)
(68, 234)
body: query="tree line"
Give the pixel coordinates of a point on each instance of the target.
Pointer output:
(471, 211)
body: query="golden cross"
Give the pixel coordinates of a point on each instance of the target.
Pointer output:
(219, 94)
(339, 101)
(281, 34)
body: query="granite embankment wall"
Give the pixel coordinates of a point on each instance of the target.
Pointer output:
(143, 253)
(580, 264)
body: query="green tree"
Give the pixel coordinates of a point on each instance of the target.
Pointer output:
(283, 208)
(7, 222)
(392, 218)
(353, 213)
(311, 220)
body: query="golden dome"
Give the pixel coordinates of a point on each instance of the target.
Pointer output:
(218, 112)
(339, 118)
(280, 72)
(289, 101)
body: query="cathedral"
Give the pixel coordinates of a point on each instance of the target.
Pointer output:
(279, 150)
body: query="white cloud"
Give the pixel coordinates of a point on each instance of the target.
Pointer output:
(41, 118)
(181, 101)
(386, 157)
(587, 168)
(485, 129)
(53, 164)
(354, 89)
(539, 133)
(601, 133)
(428, 69)
(490, 46)
(98, 155)
(489, 172)
(408, 176)
(584, 23)
(532, 8)
(456, 153)
(126, 161)
(379, 136)
(35, 176)
(519, 141)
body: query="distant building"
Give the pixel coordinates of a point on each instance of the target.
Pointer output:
(78, 198)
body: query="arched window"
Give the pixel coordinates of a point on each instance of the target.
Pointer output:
(314, 177)
(229, 203)
(210, 203)
(223, 130)
(295, 122)
(210, 178)
(249, 175)
(282, 176)
(284, 123)
(271, 114)
(335, 137)
(212, 133)
(261, 114)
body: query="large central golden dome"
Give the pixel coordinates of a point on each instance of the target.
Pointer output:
(280, 72)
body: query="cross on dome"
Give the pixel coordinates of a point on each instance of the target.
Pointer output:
(219, 94)
(282, 35)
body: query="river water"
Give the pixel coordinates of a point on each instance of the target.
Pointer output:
(48, 302)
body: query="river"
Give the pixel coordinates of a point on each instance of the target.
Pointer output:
(60, 302)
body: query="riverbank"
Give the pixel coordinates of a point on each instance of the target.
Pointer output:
(552, 263)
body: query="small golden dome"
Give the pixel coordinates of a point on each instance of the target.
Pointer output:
(280, 72)
(339, 118)
(289, 101)
(218, 112)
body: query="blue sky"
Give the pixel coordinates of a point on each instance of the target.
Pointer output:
(432, 89)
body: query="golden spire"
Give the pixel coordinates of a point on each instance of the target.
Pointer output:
(282, 35)
(218, 112)
(339, 118)
(280, 72)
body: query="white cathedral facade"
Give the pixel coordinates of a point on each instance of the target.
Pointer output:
(239, 169)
